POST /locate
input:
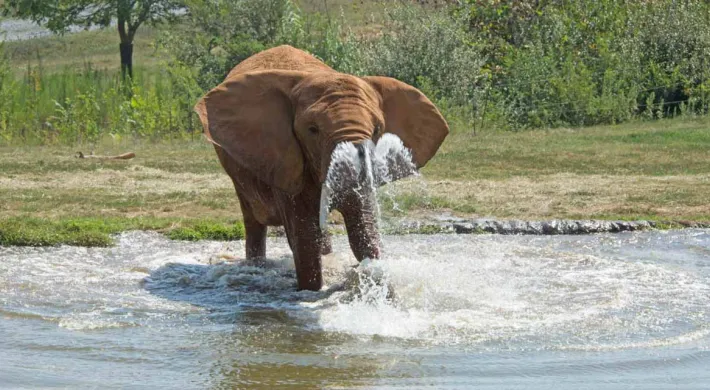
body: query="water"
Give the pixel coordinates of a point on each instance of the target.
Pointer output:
(602, 311)
(381, 163)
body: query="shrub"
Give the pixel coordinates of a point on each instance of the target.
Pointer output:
(417, 44)
(508, 64)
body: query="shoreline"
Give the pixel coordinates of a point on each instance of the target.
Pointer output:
(102, 232)
(550, 227)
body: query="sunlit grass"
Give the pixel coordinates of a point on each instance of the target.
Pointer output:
(665, 147)
(96, 232)
(74, 51)
(608, 172)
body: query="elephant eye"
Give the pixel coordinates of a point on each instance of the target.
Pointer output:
(378, 130)
(313, 130)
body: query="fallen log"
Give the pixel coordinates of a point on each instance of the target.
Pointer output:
(124, 156)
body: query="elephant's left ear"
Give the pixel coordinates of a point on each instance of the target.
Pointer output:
(411, 116)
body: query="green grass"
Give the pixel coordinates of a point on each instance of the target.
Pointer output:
(178, 187)
(74, 51)
(664, 147)
(96, 232)
(208, 231)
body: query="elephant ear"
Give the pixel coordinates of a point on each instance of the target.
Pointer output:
(250, 116)
(412, 117)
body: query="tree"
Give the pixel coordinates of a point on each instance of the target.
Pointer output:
(59, 15)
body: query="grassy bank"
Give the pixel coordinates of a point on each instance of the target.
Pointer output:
(650, 170)
(555, 69)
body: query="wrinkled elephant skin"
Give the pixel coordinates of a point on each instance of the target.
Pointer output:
(275, 121)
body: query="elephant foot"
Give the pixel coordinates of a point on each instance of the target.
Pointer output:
(326, 246)
(311, 280)
(255, 240)
(308, 269)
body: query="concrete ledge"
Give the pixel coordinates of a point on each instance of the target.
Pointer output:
(551, 227)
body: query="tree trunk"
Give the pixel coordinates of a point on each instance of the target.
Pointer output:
(126, 59)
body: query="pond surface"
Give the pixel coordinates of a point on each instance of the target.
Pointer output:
(604, 311)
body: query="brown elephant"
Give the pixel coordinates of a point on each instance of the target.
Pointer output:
(275, 121)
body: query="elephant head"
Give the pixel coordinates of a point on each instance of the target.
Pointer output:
(283, 125)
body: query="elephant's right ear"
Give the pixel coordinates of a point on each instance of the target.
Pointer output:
(250, 116)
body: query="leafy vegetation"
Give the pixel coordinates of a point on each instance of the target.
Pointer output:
(487, 64)
(59, 16)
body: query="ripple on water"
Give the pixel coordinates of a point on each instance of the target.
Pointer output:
(510, 293)
(503, 293)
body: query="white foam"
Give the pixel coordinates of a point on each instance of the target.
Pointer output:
(479, 291)
(382, 163)
(490, 291)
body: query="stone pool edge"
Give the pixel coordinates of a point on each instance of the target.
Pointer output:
(521, 227)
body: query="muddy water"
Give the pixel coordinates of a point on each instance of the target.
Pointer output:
(603, 311)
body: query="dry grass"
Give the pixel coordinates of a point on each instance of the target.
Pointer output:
(658, 170)
(572, 196)
(165, 180)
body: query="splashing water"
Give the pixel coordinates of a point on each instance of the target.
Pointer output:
(504, 309)
(580, 308)
(378, 164)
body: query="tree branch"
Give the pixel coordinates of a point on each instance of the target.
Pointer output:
(122, 29)
(142, 17)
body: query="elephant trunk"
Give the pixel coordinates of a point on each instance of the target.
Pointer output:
(352, 188)
(361, 223)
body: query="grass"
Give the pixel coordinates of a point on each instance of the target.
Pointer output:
(658, 148)
(31, 231)
(100, 47)
(653, 170)
(73, 51)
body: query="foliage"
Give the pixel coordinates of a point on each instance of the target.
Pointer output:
(485, 63)
(218, 34)
(61, 15)
(84, 106)
(420, 46)
(588, 62)
(510, 64)
(7, 87)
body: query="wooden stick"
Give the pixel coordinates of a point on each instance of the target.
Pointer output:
(124, 156)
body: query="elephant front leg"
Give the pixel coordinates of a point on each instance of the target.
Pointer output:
(306, 243)
(305, 238)
(255, 233)
(308, 269)
(255, 239)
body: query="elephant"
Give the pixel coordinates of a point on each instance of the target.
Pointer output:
(274, 123)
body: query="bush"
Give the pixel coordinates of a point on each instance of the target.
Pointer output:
(218, 34)
(507, 64)
(426, 48)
